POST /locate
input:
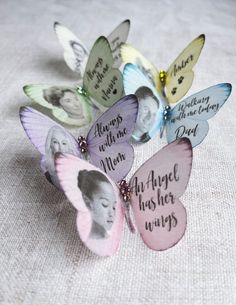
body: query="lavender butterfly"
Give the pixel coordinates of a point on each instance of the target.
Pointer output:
(152, 193)
(106, 144)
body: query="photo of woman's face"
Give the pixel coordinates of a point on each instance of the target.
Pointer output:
(147, 113)
(59, 142)
(103, 205)
(71, 104)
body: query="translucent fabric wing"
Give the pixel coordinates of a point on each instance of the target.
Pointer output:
(36, 94)
(108, 139)
(75, 52)
(178, 86)
(188, 57)
(156, 187)
(151, 103)
(116, 39)
(37, 126)
(130, 55)
(134, 78)
(66, 104)
(49, 138)
(103, 82)
(189, 117)
(179, 76)
(96, 198)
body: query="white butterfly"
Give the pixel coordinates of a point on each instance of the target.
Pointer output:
(76, 53)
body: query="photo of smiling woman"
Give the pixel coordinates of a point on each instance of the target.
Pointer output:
(147, 114)
(100, 199)
(68, 100)
(57, 141)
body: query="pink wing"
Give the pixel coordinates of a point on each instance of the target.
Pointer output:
(156, 186)
(96, 198)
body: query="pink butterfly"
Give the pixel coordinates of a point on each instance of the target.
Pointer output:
(152, 193)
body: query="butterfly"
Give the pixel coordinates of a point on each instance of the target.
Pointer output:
(101, 87)
(186, 119)
(152, 194)
(76, 53)
(106, 144)
(176, 81)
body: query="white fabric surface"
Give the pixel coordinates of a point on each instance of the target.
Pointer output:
(42, 260)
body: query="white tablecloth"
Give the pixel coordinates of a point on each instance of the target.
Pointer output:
(42, 260)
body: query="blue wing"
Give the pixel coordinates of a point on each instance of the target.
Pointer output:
(151, 103)
(189, 117)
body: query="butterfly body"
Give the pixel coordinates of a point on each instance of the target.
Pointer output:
(162, 76)
(82, 144)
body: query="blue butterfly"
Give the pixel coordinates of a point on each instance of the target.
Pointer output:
(188, 118)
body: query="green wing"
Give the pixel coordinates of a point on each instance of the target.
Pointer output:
(101, 81)
(66, 104)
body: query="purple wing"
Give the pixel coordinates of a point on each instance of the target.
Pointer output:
(95, 196)
(108, 138)
(49, 138)
(156, 187)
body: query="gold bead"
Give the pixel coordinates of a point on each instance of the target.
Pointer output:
(162, 76)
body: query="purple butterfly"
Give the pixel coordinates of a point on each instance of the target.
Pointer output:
(106, 144)
(152, 193)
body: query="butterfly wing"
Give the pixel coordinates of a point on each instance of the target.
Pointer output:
(189, 117)
(66, 104)
(96, 198)
(156, 187)
(151, 103)
(108, 138)
(103, 82)
(75, 52)
(179, 76)
(47, 136)
(130, 55)
(116, 39)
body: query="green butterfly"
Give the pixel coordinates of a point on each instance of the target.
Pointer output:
(101, 87)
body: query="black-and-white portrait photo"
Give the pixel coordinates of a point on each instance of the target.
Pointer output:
(100, 199)
(67, 99)
(57, 141)
(147, 113)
